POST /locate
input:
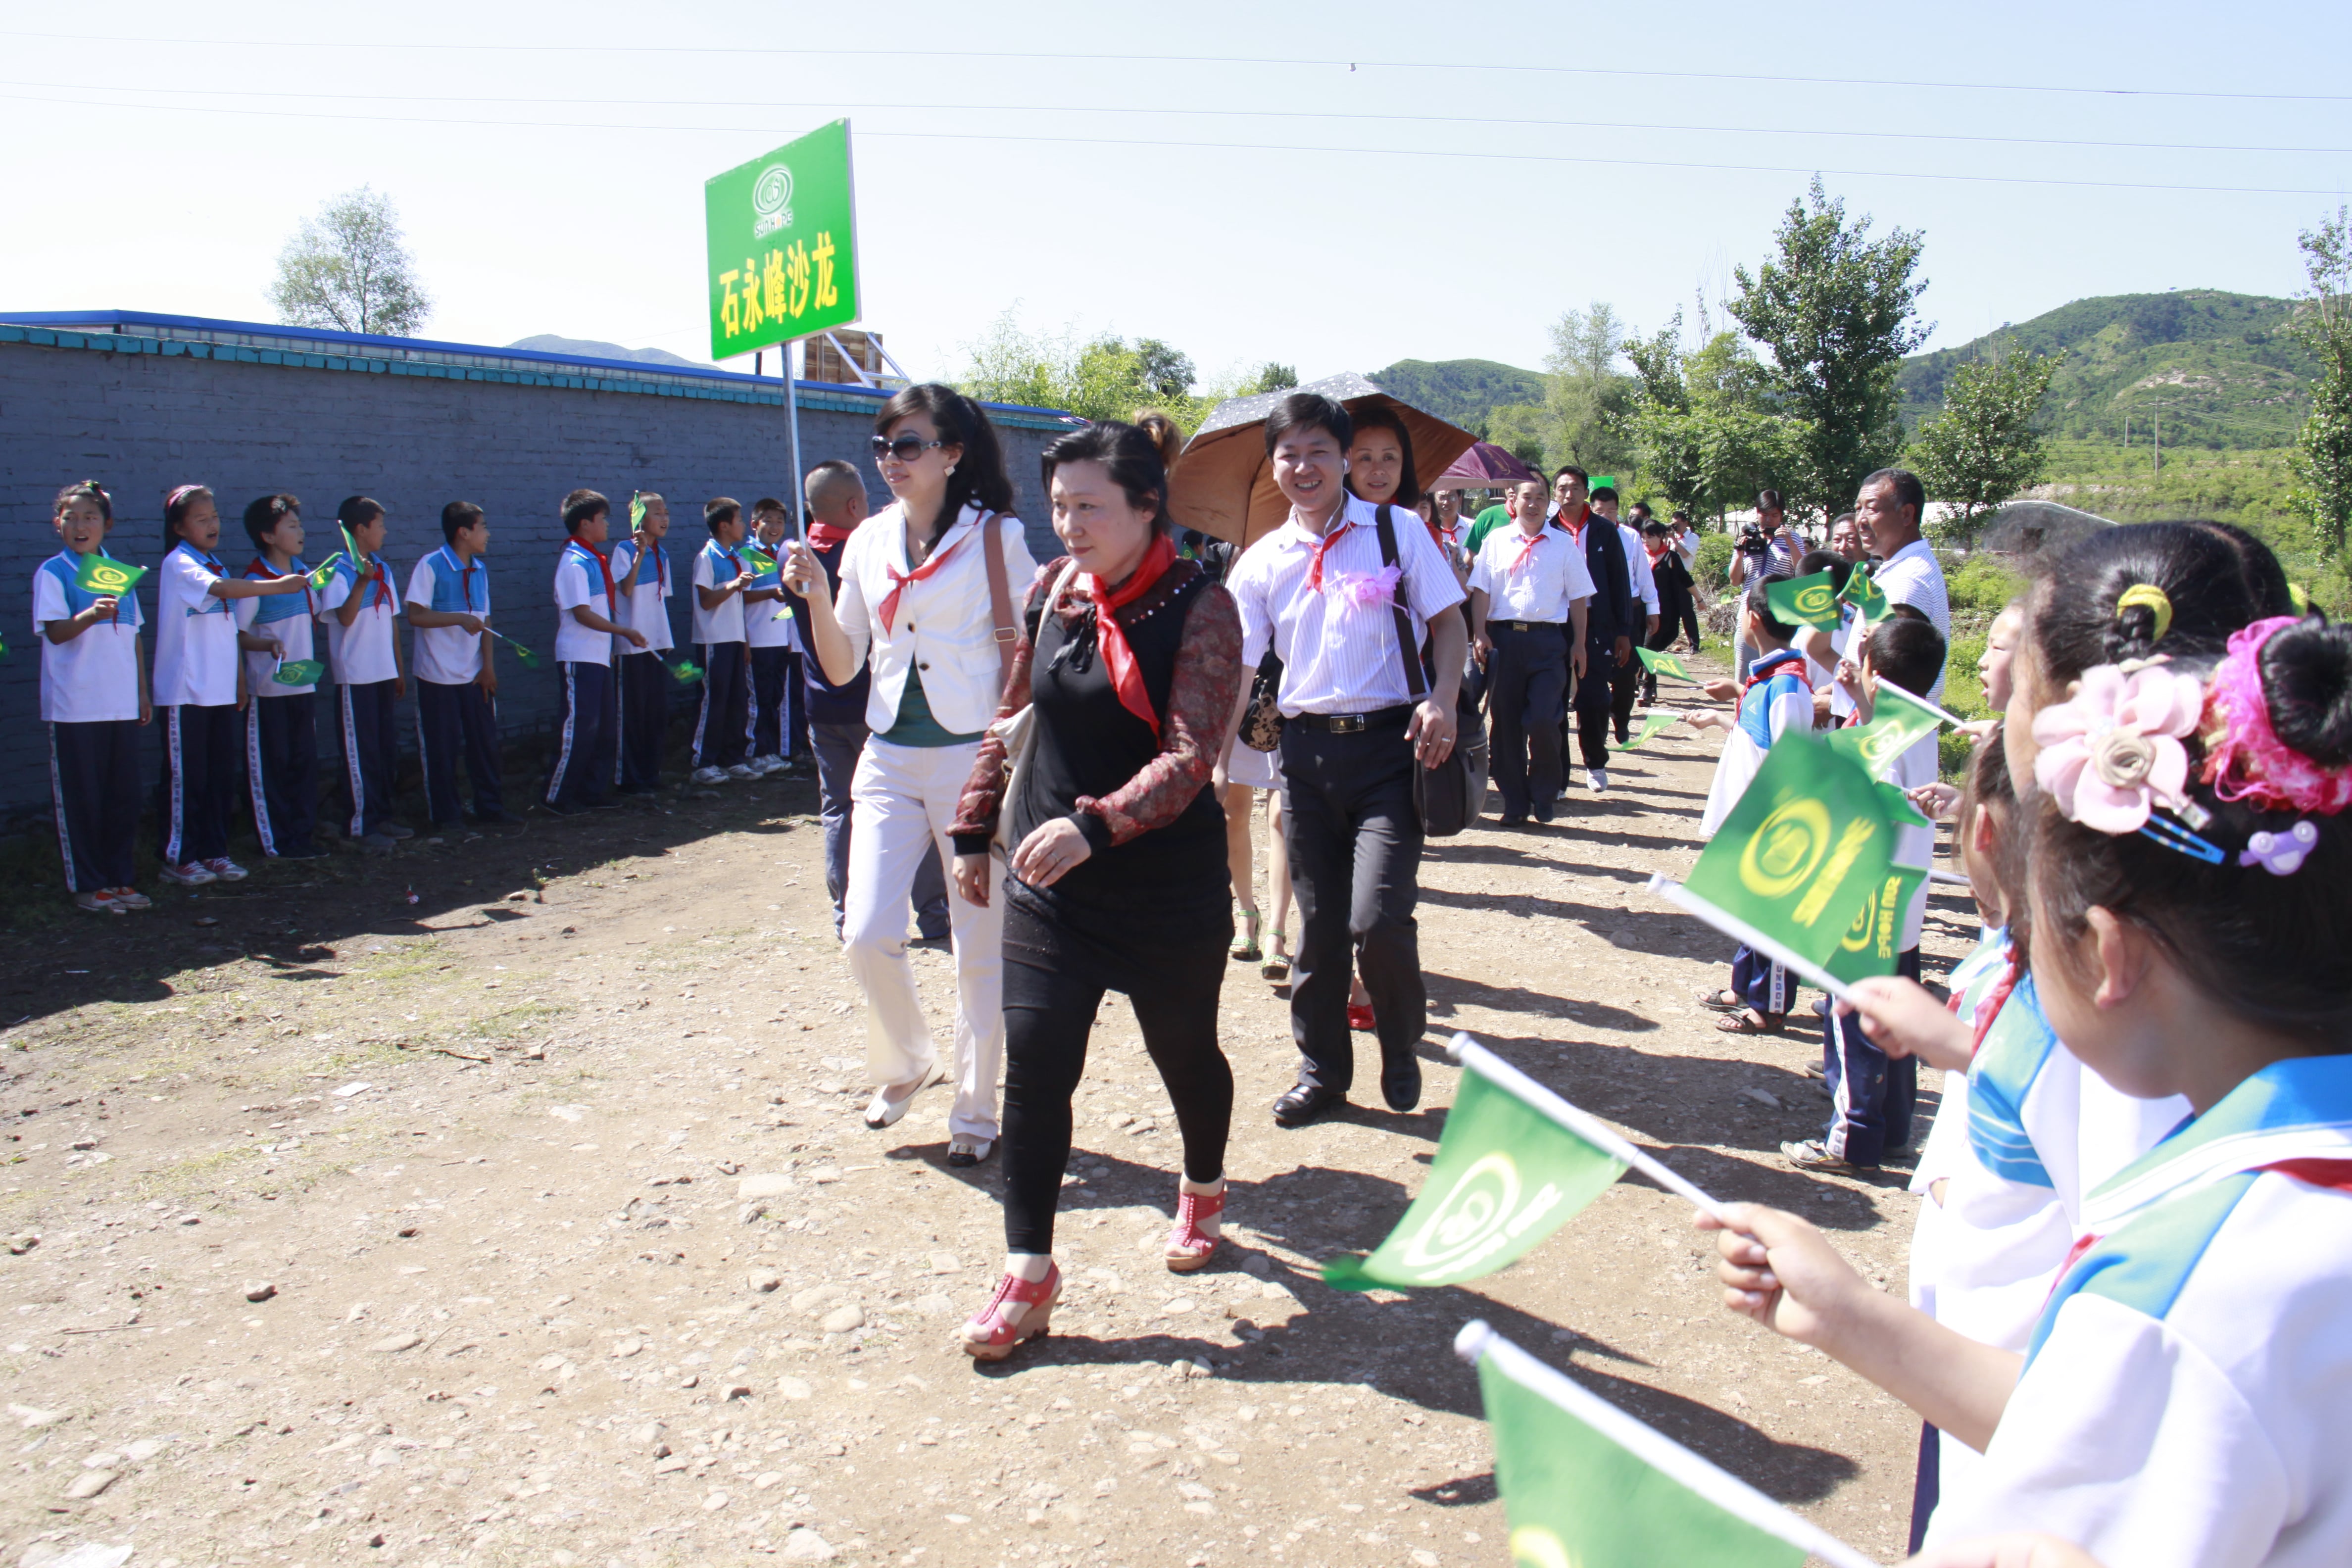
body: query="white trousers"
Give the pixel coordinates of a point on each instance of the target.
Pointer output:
(901, 799)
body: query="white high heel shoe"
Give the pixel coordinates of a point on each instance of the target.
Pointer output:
(882, 1111)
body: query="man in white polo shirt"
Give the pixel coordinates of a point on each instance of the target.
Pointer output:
(1528, 591)
(1319, 591)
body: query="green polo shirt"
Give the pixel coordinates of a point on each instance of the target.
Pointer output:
(1487, 522)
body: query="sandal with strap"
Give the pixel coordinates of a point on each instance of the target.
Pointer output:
(1188, 1246)
(992, 1333)
(1244, 949)
(1277, 962)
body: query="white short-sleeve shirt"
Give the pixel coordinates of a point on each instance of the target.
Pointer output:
(195, 635)
(449, 656)
(1644, 582)
(715, 566)
(94, 679)
(646, 607)
(361, 654)
(1537, 578)
(1912, 576)
(583, 579)
(284, 616)
(1337, 642)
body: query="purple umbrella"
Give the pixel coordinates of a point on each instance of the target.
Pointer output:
(1484, 467)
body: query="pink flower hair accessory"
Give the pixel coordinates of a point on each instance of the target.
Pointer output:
(2244, 758)
(2112, 751)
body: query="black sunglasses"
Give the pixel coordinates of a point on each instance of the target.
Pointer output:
(905, 448)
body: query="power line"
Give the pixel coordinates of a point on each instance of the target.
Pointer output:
(901, 105)
(1212, 146)
(1611, 72)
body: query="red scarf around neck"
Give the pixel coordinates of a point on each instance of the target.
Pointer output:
(1119, 657)
(899, 580)
(604, 568)
(1339, 525)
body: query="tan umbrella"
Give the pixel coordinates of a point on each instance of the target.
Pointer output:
(1224, 486)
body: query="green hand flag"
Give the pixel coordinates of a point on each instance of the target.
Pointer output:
(529, 660)
(299, 672)
(105, 575)
(1585, 1484)
(1899, 722)
(686, 671)
(760, 560)
(324, 573)
(784, 615)
(1873, 942)
(1651, 726)
(1805, 601)
(1808, 843)
(1662, 664)
(637, 510)
(1868, 599)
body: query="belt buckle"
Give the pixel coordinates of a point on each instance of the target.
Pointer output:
(1346, 723)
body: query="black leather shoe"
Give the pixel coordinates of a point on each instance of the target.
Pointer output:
(1400, 1084)
(1303, 1104)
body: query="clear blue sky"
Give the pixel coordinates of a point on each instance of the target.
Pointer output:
(549, 161)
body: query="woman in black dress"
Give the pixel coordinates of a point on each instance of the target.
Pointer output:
(1130, 657)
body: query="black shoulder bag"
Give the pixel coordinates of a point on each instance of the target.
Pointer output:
(1439, 794)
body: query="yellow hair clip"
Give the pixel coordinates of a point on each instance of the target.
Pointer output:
(2154, 599)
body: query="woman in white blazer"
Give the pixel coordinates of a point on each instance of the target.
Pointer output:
(927, 592)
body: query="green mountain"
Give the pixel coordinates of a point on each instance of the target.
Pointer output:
(553, 343)
(2224, 368)
(1465, 391)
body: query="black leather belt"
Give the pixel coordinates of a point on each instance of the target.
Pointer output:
(1352, 724)
(1528, 625)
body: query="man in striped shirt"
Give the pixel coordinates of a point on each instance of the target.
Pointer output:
(1319, 591)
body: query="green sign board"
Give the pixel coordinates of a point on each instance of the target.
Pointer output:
(783, 245)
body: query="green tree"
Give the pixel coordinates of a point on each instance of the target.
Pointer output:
(1271, 377)
(1703, 425)
(348, 271)
(1167, 372)
(1985, 446)
(2323, 454)
(1833, 308)
(1587, 398)
(1102, 377)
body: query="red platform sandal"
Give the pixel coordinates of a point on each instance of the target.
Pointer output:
(1188, 1246)
(995, 1330)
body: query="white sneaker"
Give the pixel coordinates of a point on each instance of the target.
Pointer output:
(743, 772)
(711, 776)
(227, 870)
(191, 875)
(1597, 780)
(768, 765)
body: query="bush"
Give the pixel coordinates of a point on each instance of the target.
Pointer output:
(1714, 564)
(1984, 585)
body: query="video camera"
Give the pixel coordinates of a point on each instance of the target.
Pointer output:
(1752, 541)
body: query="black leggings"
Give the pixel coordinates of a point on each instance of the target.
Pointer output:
(1054, 977)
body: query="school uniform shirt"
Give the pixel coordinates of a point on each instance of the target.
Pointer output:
(94, 679)
(1637, 568)
(1776, 701)
(585, 578)
(450, 655)
(196, 636)
(646, 607)
(2186, 1395)
(1911, 576)
(761, 627)
(715, 566)
(363, 653)
(1531, 579)
(1334, 632)
(287, 618)
(940, 624)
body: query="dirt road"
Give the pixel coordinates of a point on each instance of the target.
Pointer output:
(533, 1222)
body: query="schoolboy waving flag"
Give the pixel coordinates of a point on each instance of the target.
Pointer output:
(93, 698)
(587, 598)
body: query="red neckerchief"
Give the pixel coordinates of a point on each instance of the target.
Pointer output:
(1657, 552)
(824, 535)
(899, 580)
(1119, 657)
(380, 576)
(1339, 525)
(1989, 1008)
(1770, 665)
(1575, 529)
(261, 568)
(1527, 543)
(604, 566)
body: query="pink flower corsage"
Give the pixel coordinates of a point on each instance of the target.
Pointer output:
(2244, 758)
(1364, 589)
(2112, 751)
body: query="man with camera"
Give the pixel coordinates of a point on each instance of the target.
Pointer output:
(1764, 546)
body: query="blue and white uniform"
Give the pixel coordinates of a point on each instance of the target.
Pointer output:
(89, 697)
(586, 753)
(195, 699)
(364, 661)
(455, 716)
(722, 728)
(281, 723)
(1775, 701)
(644, 677)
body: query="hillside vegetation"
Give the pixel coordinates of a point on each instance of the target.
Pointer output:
(1465, 391)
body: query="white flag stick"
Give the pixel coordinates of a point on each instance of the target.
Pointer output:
(1918, 702)
(1478, 1341)
(1732, 925)
(1583, 1123)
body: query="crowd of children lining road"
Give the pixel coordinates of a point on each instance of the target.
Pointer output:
(2125, 1334)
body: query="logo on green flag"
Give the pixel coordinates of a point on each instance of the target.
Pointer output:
(761, 560)
(1868, 599)
(324, 574)
(1505, 1176)
(1651, 726)
(1899, 722)
(1807, 601)
(105, 575)
(637, 510)
(1662, 664)
(1808, 842)
(1586, 1485)
(686, 671)
(299, 672)
(1871, 942)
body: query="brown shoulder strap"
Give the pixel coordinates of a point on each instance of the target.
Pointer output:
(1005, 626)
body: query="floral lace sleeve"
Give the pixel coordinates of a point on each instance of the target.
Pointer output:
(1208, 678)
(983, 792)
